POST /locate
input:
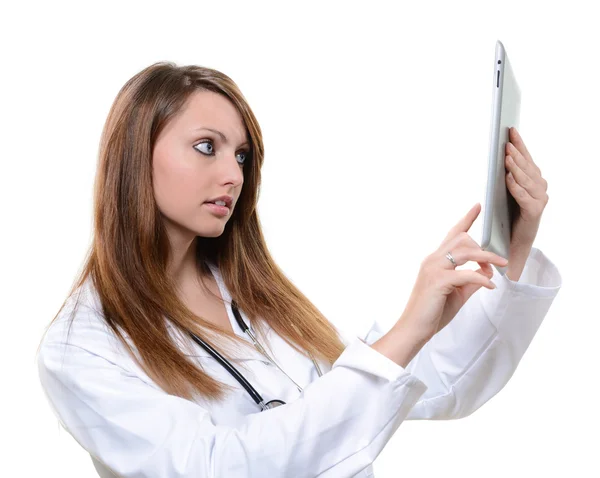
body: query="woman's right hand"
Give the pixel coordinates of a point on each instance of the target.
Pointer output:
(440, 291)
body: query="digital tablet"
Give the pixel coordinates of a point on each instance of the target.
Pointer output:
(499, 205)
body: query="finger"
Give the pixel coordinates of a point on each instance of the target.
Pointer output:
(469, 289)
(462, 247)
(533, 186)
(464, 224)
(529, 167)
(468, 277)
(463, 240)
(520, 194)
(465, 254)
(485, 269)
(517, 140)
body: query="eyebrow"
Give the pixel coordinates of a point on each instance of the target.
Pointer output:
(220, 134)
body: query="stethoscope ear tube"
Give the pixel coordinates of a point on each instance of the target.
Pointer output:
(246, 329)
(238, 376)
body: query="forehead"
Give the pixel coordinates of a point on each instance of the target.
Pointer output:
(207, 109)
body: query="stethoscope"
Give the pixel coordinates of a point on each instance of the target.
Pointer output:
(238, 376)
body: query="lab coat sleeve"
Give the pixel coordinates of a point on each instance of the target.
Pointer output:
(336, 428)
(473, 357)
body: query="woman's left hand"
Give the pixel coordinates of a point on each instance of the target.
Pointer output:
(525, 183)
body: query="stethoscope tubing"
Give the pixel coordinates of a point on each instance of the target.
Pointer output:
(246, 329)
(238, 376)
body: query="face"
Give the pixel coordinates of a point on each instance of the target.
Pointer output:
(192, 165)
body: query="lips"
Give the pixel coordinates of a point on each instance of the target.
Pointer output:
(220, 210)
(226, 199)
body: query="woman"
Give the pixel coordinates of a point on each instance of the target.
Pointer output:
(130, 364)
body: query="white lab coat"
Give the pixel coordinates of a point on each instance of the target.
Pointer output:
(334, 429)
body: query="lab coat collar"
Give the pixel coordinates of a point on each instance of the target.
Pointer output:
(192, 349)
(189, 347)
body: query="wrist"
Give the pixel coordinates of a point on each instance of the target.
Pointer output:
(402, 343)
(416, 332)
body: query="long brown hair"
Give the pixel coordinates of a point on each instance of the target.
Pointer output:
(127, 259)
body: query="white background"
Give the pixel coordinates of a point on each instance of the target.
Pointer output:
(361, 104)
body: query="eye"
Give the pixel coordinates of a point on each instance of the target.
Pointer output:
(244, 153)
(209, 153)
(210, 148)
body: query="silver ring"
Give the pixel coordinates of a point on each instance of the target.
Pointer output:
(449, 256)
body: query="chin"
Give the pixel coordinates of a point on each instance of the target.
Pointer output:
(212, 232)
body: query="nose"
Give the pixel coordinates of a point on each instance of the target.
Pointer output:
(230, 168)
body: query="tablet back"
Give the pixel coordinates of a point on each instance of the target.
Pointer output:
(500, 206)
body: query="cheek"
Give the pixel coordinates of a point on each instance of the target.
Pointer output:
(176, 187)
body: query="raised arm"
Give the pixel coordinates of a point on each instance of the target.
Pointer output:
(472, 358)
